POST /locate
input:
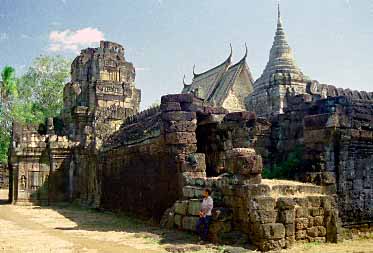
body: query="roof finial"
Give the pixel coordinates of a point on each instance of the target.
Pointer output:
(185, 84)
(194, 70)
(245, 50)
(278, 11)
(231, 53)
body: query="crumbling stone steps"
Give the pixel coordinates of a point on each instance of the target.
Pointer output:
(292, 188)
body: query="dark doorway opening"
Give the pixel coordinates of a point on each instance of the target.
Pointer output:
(4, 184)
(210, 141)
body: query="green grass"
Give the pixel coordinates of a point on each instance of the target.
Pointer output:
(310, 245)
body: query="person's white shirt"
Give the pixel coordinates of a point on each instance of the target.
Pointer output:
(207, 205)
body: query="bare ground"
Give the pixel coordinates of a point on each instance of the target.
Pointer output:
(68, 228)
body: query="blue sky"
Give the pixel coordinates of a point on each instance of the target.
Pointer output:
(332, 39)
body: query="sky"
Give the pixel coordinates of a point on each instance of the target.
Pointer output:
(332, 40)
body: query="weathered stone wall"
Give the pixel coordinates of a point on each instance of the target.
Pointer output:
(339, 152)
(37, 165)
(147, 155)
(245, 207)
(270, 215)
(336, 137)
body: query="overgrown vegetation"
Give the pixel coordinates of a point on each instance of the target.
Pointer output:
(286, 168)
(32, 97)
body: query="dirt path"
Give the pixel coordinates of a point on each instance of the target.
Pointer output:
(75, 229)
(33, 229)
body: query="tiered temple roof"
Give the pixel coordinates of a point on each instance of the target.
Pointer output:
(215, 84)
(281, 59)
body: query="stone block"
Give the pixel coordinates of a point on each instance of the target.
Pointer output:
(301, 223)
(302, 202)
(180, 138)
(318, 231)
(314, 201)
(178, 116)
(222, 214)
(290, 240)
(189, 222)
(328, 202)
(328, 178)
(180, 126)
(263, 217)
(194, 162)
(318, 220)
(250, 179)
(191, 107)
(316, 211)
(177, 220)
(214, 110)
(181, 207)
(301, 212)
(310, 221)
(183, 148)
(290, 229)
(240, 116)
(217, 228)
(271, 245)
(322, 231)
(170, 106)
(242, 214)
(300, 235)
(285, 203)
(287, 216)
(194, 207)
(181, 98)
(257, 190)
(272, 231)
(243, 161)
(192, 192)
(262, 203)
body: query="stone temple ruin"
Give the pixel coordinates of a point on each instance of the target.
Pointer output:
(219, 134)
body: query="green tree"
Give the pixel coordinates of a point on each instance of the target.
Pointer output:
(33, 97)
(41, 89)
(8, 85)
(8, 92)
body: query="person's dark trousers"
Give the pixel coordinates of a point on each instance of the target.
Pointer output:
(203, 221)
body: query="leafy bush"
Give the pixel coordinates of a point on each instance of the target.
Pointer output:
(286, 168)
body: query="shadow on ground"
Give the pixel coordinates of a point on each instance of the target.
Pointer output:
(4, 196)
(104, 221)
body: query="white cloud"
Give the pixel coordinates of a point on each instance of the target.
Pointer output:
(25, 36)
(3, 36)
(139, 69)
(69, 40)
(55, 23)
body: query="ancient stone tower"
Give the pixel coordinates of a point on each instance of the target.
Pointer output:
(280, 77)
(101, 93)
